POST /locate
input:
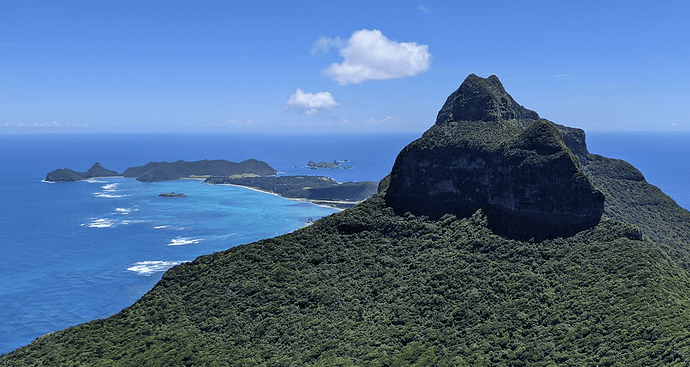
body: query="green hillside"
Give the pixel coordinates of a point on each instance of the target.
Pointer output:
(367, 287)
(495, 242)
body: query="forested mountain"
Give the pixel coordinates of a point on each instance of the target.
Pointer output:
(497, 239)
(67, 174)
(163, 171)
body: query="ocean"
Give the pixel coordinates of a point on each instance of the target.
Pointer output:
(662, 157)
(74, 252)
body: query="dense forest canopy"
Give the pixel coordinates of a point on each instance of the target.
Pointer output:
(427, 272)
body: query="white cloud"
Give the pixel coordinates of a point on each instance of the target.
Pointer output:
(12, 124)
(423, 9)
(47, 124)
(234, 122)
(566, 77)
(325, 44)
(369, 55)
(388, 120)
(40, 125)
(310, 103)
(231, 122)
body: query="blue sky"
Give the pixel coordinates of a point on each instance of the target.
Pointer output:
(322, 66)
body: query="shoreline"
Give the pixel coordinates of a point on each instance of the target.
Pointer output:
(83, 179)
(322, 203)
(333, 204)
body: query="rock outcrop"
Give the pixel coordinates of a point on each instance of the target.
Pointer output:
(315, 165)
(171, 195)
(487, 152)
(67, 174)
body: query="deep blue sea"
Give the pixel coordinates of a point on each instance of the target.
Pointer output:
(74, 252)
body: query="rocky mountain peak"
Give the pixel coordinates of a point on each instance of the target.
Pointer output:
(488, 152)
(482, 99)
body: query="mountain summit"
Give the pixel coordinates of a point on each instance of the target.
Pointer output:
(480, 99)
(488, 152)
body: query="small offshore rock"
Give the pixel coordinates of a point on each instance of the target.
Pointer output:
(171, 195)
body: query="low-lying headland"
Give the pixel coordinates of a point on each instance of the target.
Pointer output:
(318, 189)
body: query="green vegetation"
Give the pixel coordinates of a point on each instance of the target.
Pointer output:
(368, 287)
(162, 171)
(67, 174)
(631, 199)
(376, 285)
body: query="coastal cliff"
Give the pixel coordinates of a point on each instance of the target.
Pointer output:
(67, 174)
(445, 266)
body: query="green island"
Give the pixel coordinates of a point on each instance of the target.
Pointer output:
(497, 240)
(166, 171)
(68, 175)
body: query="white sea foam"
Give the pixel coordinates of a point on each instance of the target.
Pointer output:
(150, 267)
(123, 211)
(106, 194)
(180, 241)
(101, 223)
(93, 180)
(160, 227)
(109, 191)
(109, 187)
(131, 221)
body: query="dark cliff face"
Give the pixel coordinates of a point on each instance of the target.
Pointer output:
(488, 152)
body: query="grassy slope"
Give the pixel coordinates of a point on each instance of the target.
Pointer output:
(366, 287)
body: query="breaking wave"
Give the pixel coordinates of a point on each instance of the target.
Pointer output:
(101, 223)
(180, 241)
(150, 267)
